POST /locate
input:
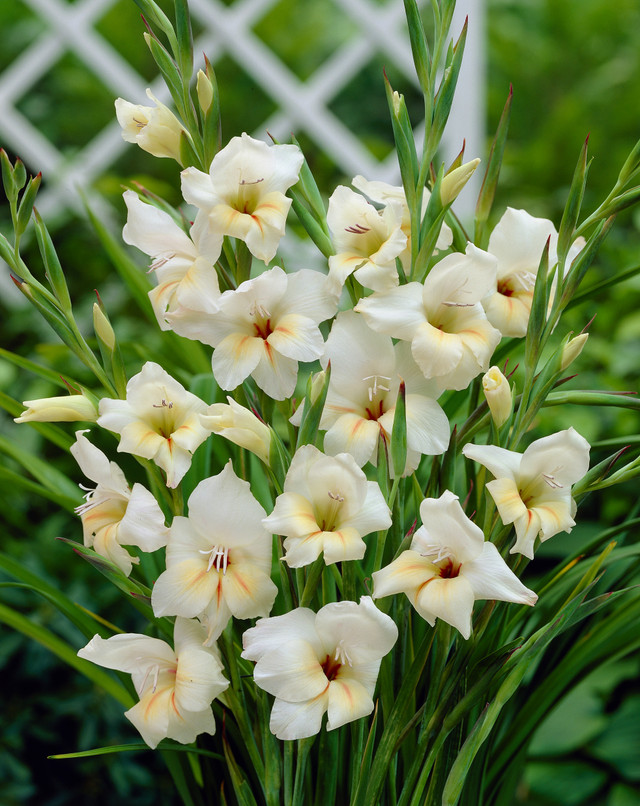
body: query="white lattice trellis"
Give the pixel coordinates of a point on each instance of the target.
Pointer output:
(301, 106)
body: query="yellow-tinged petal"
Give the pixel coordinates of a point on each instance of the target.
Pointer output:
(408, 573)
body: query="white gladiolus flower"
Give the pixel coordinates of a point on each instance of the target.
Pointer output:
(218, 558)
(115, 515)
(327, 507)
(240, 426)
(183, 264)
(266, 326)
(451, 339)
(532, 490)
(176, 688)
(154, 128)
(366, 241)
(382, 193)
(448, 567)
(316, 663)
(244, 192)
(158, 420)
(366, 369)
(518, 241)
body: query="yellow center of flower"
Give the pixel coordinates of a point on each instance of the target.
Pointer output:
(163, 418)
(327, 512)
(218, 556)
(376, 391)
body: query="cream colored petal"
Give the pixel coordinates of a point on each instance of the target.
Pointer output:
(341, 545)
(292, 516)
(143, 523)
(360, 631)
(185, 589)
(297, 720)
(509, 314)
(373, 514)
(397, 312)
(150, 716)
(459, 278)
(554, 515)
(448, 599)
(95, 466)
(270, 632)
(437, 353)
(153, 231)
(199, 679)
(238, 516)
(446, 526)
(527, 529)
(348, 700)
(303, 551)
(561, 458)
(291, 669)
(508, 500)
(491, 578)
(427, 425)
(248, 590)
(197, 188)
(275, 374)
(353, 434)
(518, 241)
(175, 461)
(128, 652)
(498, 461)
(185, 726)
(297, 337)
(308, 294)
(235, 358)
(406, 574)
(105, 543)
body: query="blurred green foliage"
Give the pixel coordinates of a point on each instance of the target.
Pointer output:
(575, 70)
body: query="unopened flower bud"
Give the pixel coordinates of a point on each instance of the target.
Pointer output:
(572, 350)
(102, 327)
(317, 385)
(455, 180)
(64, 409)
(154, 128)
(397, 100)
(498, 395)
(240, 426)
(204, 91)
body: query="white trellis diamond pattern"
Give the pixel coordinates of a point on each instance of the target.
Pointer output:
(302, 106)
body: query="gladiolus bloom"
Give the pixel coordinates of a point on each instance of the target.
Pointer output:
(316, 663)
(450, 566)
(532, 490)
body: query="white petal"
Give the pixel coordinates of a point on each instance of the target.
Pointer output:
(366, 633)
(397, 312)
(95, 466)
(491, 578)
(297, 720)
(446, 526)
(348, 700)
(276, 374)
(129, 652)
(270, 632)
(427, 425)
(235, 358)
(292, 670)
(153, 231)
(355, 435)
(498, 461)
(143, 523)
(199, 679)
(448, 599)
(460, 278)
(563, 456)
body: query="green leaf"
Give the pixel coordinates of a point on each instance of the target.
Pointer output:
(52, 263)
(60, 648)
(26, 204)
(419, 45)
(572, 208)
(312, 410)
(491, 175)
(184, 55)
(46, 473)
(399, 433)
(165, 745)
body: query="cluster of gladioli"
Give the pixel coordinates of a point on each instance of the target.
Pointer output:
(402, 345)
